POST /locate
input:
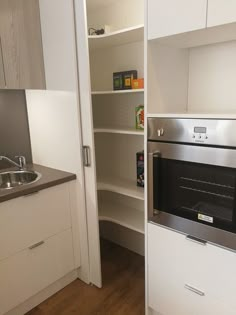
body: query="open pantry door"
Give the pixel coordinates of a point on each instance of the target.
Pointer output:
(88, 141)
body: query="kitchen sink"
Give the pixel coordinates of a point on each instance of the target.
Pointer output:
(12, 179)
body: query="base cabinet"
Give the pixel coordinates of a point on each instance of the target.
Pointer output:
(37, 247)
(188, 278)
(32, 270)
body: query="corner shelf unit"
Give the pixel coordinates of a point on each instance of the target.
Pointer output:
(117, 38)
(126, 216)
(119, 130)
(122, 187)
(117, 92)
(116, 140)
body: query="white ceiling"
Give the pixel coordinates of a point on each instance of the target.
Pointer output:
(95, 4)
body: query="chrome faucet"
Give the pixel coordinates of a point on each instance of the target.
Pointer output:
(21, 161)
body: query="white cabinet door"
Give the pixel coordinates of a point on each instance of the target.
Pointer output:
(171, 260)
(185, 277)
(32, 218)
(169, 17)
(88, 141)
(30, 271)
(221, 12)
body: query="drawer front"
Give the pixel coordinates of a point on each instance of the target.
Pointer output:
(29, 219)
(32, 270)
(188, 278)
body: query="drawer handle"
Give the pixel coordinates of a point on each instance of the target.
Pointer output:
(194, 290)
(196, 240)
(36, 245)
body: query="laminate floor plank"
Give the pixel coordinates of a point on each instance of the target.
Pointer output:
(122, 293)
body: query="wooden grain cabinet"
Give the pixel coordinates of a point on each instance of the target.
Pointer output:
(169, 17)
(21, 63)
(2, 71)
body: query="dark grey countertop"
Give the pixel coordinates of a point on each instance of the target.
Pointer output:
(50, 177)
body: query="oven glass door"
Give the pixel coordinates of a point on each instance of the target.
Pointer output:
(197, 191)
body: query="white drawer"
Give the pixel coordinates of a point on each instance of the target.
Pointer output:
(176, 266)
(27, 220)
(30, 271)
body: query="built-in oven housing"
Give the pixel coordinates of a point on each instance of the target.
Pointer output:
(192, 177)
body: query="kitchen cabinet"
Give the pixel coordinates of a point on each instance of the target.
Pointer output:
(21, 45)
(186, 277)
(221, 12)
(37, 244)
(169, 17)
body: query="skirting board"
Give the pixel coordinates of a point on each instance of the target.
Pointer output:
(43, 295)
(122, 236)
(152, 312)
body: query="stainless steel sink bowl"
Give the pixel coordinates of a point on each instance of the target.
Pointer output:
(12, 179)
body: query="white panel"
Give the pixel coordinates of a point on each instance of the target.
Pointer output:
(58, 37)
(55, 141)
(30, 271)
(168, 17)
(88, 140)
(212, 76)
(33, 218)
(221, 12)
(53, 121)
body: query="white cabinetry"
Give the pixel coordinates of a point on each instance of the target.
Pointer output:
(169, 17)
(108, 118)
(36, 242)
(185, 277)
(221, 12)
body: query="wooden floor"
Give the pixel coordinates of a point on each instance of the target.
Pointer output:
(122, 292)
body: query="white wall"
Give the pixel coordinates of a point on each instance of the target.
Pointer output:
(118, 14)
(212, 78)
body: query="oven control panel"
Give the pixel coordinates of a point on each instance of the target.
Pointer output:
(200, 134)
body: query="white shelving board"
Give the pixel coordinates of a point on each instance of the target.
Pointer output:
(117, 38)
(123, 187)
(119, 130)
(194, 115)
(128, 217)
(117, 92)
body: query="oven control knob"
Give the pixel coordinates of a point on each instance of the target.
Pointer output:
(200, 137)
(194, 137)
(206, 137)
(160, 132)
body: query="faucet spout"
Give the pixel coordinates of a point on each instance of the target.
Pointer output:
(21, 161)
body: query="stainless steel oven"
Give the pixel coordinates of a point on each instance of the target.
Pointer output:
(192, 177)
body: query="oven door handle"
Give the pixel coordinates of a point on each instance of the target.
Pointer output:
(151, 156)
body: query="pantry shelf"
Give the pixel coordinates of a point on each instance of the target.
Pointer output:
(128, 217)
(117, 38)
(117, 92)
(121, 186)
(119, 130)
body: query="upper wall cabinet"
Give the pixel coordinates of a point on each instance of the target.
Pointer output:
(169, 17)
(21, 53)
(221, 12)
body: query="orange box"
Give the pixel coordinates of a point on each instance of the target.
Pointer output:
(137, 83)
